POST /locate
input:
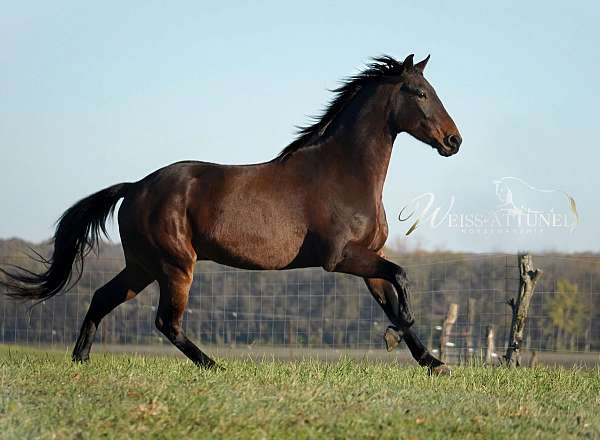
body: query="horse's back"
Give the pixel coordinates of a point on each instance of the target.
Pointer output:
(246, 216)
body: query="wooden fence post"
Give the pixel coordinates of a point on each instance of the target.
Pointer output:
(491, 345)
(520, 308)
(291, 332)
(471, 306)
(447, 329)
(533, 359)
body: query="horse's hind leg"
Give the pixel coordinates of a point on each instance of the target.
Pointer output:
(126, 285)
(174, 291)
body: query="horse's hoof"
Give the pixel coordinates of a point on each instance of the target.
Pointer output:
(392, 338)
(212, 366)
(440, 370)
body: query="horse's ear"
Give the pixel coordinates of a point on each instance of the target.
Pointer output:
(420, 66)
(408, 62)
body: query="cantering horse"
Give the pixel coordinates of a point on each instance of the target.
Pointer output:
(317, 204)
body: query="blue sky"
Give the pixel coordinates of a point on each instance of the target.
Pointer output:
(98, 94)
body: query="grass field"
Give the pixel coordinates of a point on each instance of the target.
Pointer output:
(116, 395)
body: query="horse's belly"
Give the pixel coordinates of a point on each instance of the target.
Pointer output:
(254, 239)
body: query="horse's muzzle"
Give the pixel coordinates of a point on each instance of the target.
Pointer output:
(453, 142)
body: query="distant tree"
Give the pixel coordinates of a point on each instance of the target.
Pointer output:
(569, 313)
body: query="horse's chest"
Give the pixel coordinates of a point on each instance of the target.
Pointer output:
(381, 230)
(368, 227)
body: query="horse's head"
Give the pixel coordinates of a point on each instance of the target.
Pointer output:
(419, 112)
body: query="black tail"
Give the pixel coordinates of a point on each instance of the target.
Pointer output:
(77, 233)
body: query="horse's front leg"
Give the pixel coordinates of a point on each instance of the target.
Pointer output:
(363, 262)
(389, 285)
(382, 289)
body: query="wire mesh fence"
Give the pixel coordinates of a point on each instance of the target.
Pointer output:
(311, 308)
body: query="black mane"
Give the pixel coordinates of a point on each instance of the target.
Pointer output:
(383, 66)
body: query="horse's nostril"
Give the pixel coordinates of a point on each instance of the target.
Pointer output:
(453, 141)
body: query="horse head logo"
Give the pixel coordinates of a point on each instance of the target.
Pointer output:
(517, 197)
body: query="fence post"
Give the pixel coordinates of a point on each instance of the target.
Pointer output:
(447, 329)
(520, 308)
(471, 306)
(491, 345)
(292, 332)
(534, 359)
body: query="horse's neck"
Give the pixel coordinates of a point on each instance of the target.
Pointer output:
(376, 161)
(363, 142)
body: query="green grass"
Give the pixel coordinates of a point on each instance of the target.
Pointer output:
(44, 395)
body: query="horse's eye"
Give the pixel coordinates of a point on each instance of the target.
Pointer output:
(414, 91)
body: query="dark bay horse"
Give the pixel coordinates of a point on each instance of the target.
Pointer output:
(317, 204)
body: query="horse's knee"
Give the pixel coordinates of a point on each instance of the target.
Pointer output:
(163, 326)
(172, 331)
